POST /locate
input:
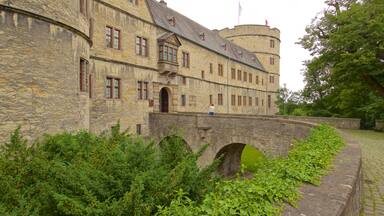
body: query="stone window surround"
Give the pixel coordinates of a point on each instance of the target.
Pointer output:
(141, 48)
(111, 88)
(186, 59)
(111, 37)
(142, 90)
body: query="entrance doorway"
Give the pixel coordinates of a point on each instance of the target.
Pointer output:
(164, 100)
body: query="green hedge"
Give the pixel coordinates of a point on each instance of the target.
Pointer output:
(85, 174)
(275, 182)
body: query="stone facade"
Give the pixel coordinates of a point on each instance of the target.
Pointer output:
(42, 43)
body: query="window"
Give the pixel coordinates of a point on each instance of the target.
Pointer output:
(183, 100)
(108, 88)
(186, 60)
(210, 68)
(272, 43)
(257, 80)
(269, 101)
(220, 99)
(250, 78)
(245, 100)
(271, 79)
(233, 73)
(83, 7)
(113, 38)
(239, 100)
(116, 91)
(136, 2)
(90, 86)
(233, 100)
(220, 70)
(262, 102)
(210, 99)
(202, 74)
(184, 80)
(142, 90)
(239, 75)
(108, 36)
(271, 60)
(250, 101)
(116, 39)
(112, 88)
(141, 46)
(167, 53)
(245, 76)
(257, 101)
(138, 129)
(83, 75)
(145, 94)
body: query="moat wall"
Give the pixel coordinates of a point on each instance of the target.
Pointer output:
(339, 192)
(379, 125)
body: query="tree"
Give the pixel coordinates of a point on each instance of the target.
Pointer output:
(347, 42)
(346, 74)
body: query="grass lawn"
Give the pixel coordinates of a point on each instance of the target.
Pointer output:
(366, 134)
(251, 157)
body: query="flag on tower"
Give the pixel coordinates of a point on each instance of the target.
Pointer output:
(240, 10)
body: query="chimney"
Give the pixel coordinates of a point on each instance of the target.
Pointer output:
(163, 3)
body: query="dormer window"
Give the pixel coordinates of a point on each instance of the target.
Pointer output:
(224, 45)
(202, 36)
(172, 20)
(240, 53)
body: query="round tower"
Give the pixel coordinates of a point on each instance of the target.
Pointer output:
(264, 41)
(43, 45)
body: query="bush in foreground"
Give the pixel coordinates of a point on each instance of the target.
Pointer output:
(85, 174)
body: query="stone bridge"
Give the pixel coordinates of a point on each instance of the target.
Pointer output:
(227, 135)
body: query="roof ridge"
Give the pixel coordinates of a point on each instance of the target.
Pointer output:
(177, 29)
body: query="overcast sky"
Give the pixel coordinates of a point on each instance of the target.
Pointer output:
(290, 16)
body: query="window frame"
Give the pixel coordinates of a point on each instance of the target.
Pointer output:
(233, 73)
(112, 31)
(84, 75)
(186, 59)
(183, 100)
(239, 75)
(220, 100)
(233, 100)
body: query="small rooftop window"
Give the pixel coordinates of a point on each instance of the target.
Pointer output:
(171, 20)
(202, 36)
(224, 45)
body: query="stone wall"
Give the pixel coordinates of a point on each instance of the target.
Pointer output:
(39, 72)
(339, 192)
(379, 125)
(342, 123)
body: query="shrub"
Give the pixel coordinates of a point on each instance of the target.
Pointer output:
(85, 174)
(275, 182)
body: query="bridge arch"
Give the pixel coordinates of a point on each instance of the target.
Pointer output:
(231, 156)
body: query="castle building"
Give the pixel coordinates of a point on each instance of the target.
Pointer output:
(87, 64)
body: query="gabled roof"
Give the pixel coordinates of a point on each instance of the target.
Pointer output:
(170, 38)
(183, 26)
